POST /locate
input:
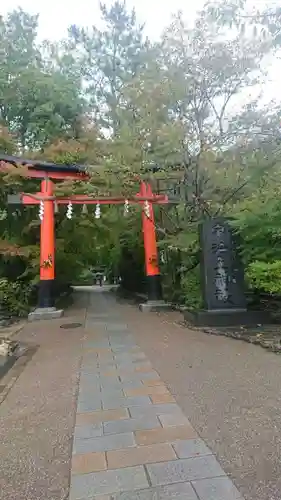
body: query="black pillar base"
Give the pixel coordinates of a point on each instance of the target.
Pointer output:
(46, 294)
(154, 288)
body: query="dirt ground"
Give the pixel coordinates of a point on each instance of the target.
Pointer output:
(37, 416)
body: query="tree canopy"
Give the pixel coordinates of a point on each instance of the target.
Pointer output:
(177, 111)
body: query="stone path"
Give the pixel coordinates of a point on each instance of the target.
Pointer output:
(131, 440)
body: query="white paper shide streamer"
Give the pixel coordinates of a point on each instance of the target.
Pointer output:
(98, 211)
(146, 209)
(69, 211)
(126, 208)
(41, 210)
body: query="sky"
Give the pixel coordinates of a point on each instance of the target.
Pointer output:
(56, 15)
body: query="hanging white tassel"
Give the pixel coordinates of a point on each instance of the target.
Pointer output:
(41, 210)
(126, 208)
(84, 209)
(69, 210)
(146, 209)
(3, 214)
(98, 211)
(56, 208)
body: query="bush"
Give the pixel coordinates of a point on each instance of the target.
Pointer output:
(191, 288)
(15, 297)
(265, 276)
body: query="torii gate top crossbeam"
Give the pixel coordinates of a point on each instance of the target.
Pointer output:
(39, 169)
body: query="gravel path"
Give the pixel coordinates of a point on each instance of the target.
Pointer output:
(229, 390)
(37, 416)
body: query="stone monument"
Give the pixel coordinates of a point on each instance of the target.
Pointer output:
(222, 277)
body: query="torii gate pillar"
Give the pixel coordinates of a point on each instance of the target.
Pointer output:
(47, 249)
(155, 300)
(46, 307)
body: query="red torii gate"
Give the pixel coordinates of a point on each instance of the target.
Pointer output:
(48, 173)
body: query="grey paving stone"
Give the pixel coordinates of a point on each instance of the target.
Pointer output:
(90, 395)
(119, 360)
(131, 384)
(131, 363)
(130, 425)
(125, 345)
(89, 362)
(89, 370)
(89, 380)
(127, 340)
(184, 470)
(120, 348)
(218, 488)
(130, 367)
(86, 486)
(120, 337)
(97, 315)
(89, 375)
(180, 491)
(90, 387)
(122, 343)
(106, 364)
(113, 403)
(88, 431)
(89, 353)
(97, 323)
(173, 420)
(89, 390)
(112, 392)
(96, 344)
(104, 443)
(99, 343)
(106, 358)
(130, 356)
(139, 376)
(191, 448)
(157, 409)
(107, 384)
(88, 383)
(89, 356)
(109, 381)
(115, 327)
(92, 404)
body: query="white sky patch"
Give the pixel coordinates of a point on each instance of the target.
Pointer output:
(56, 15)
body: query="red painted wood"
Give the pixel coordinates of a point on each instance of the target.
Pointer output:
(47, 234)
(149, 234)
(30, 199)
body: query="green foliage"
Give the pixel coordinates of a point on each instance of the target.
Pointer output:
(131, 109)
(37, 105)
(108, 59)
(191, 289)
(15, 297)
(265, 276)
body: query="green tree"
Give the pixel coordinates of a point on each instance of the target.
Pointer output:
(109, 58)
(35, 105)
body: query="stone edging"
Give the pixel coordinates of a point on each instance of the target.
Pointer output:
(271, 343)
